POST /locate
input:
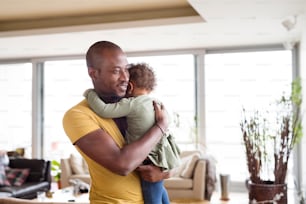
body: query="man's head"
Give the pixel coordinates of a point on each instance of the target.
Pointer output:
(107, 66)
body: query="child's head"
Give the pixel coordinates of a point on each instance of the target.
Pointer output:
(142, 76)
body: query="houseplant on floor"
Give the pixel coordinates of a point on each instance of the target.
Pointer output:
(269, 142)
(56, 172)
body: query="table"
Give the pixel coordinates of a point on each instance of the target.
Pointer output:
(66, 195)
(5, 194)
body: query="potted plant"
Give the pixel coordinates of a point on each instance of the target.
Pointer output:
(269, 138)
(56, 172)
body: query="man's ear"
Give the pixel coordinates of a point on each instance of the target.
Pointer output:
(92, 73)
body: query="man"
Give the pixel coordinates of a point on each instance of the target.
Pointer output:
(100, 141)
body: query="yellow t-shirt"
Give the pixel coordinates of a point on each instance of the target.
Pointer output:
(106, 187)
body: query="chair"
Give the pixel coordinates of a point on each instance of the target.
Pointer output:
(194, 179)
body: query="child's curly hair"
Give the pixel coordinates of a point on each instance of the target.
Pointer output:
(142, 75)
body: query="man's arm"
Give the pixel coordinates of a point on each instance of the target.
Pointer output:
(100, 146)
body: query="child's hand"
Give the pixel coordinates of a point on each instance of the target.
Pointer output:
(161, 119)
(85, 94)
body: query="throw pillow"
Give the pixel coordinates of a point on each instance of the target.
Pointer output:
(177, 171)
(188, 170)
(3, 179)
(76, 163)
(4, 159)
(85, 167)
(17, 177)
(186, 167)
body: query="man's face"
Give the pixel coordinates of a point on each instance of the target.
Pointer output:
(111, 78)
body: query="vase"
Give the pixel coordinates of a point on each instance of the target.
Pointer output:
(268, 193)
(224, 183)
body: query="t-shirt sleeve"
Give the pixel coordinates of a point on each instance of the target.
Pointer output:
(78, 123)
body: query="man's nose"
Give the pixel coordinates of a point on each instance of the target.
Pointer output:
(124, 75)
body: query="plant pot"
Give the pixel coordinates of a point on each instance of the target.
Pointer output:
(267, 193)
(59, 184)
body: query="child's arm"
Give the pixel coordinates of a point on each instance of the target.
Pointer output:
(109, 110)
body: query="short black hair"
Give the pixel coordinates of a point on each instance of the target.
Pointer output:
(93, 55)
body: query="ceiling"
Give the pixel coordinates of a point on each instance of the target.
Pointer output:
(44, 28)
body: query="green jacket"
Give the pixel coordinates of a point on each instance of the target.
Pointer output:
(140, 115)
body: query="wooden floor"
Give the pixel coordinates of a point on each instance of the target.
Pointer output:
(235, 198)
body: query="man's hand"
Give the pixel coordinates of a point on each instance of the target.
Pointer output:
(152, 173)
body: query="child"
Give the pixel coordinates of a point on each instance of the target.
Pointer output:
(139, 111)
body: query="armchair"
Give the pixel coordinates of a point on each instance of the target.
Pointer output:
(194, 179)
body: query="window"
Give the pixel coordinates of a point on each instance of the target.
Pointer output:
(251, 80)
(16, 106)
(176, 89)
(64, 83)
(231, 81)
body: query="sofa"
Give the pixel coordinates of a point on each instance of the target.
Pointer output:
(194, 179)
(188, 180)
(26, 177)
(73, 167)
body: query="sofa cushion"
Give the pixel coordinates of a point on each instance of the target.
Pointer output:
(17, 177)
(188, 162)
(78, 164)
(3, 179)
(189, 166)
(82, 177)
(178, 183)
(27, 190)
(37, 168)
(85, 167)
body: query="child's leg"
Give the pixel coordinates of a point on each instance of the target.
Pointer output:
(165, 198)
(152, 192)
